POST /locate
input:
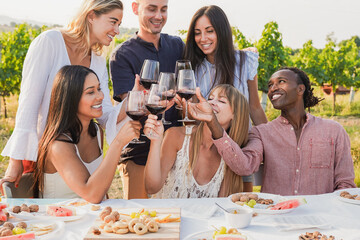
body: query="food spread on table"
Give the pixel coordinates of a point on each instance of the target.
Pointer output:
(228, 234)
(315, 236)
(143, 223)
(22, 230)
(266, 203)
(347, 195)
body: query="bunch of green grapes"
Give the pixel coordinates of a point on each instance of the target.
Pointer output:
(222, 230)
(137, 214)
(251, 203)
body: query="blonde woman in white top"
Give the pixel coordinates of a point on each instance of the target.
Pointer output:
(95, 26)
(69, 145)
(187, 162)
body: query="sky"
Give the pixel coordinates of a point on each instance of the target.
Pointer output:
(299, 20)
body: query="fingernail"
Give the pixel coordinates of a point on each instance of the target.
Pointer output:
(17, 185)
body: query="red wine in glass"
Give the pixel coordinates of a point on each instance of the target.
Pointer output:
(147, 82)
(155, 109)
(136, 115)
(169, 96)
(186, 94)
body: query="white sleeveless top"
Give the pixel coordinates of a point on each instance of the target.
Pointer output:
(55, 186)
(180, 182)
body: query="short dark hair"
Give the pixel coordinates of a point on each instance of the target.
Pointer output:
(302, 78)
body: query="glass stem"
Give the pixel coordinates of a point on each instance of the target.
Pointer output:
(186, 113)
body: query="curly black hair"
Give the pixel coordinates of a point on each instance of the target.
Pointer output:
(302, 78)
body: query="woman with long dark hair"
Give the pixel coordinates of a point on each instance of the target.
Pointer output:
(70, 159)
(209, 47)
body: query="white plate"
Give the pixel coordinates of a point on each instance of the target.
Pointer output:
(207, 235)
(262, 208)
(41, 214)
(352, 191)
(56, 232)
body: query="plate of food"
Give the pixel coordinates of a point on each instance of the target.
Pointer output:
(266, 203)
(53, 212)
(219, 234)
(136, 223)
(351, 195)
(35, 229)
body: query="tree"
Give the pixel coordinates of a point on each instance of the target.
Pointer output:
(272, 56)
(14, 46)
(333, 63)
(240, 39)
(307, 59)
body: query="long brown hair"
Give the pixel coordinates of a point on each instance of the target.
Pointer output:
(224, 53)
(62, 118)
(238, 131)
(79, 28)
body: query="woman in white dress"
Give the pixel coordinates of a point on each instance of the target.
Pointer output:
(80, 43)
(70, 162)
(188, 161)
(210, 49)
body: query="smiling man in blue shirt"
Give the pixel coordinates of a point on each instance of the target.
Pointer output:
(125, 62)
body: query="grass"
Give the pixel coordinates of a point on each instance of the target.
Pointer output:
(348, 115)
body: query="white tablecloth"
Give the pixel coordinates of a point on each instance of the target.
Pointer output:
(199, 214)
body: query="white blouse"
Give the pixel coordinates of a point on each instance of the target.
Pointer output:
(180, 182)
(205, 74)
(46, 55)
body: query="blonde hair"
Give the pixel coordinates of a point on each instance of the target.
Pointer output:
(79, 28)
(238, 131)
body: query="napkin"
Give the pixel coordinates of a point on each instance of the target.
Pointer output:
(301, 222)
(200, 211)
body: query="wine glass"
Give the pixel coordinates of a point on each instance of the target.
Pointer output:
(149, 73)
(135, 108)
(186, 89)
(181, 64)
(167, 80)
(156, 101)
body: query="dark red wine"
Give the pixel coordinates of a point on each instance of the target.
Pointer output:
(147, 82)
(155, 109)
(169, 96)
(186, 94)
(136, 115)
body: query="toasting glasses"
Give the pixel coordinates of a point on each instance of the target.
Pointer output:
(156, 102)
(135, 108)
(149, 73)
(167, 80)
(181, 64)
(186, 89)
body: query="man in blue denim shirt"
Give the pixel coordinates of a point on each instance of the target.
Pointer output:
(125, 62)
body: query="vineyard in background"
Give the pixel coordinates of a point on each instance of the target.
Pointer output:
(335, 66)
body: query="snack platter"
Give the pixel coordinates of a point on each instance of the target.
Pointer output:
(42, 229)
(42, 214)
(104, 227)
(208, 235)
(264, 202)
(351, 195)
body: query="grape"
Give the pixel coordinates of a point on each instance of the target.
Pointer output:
(251, 203)
(214, 234)
(145, 213)
(18, 230)
(222, 230)
(153, 214)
